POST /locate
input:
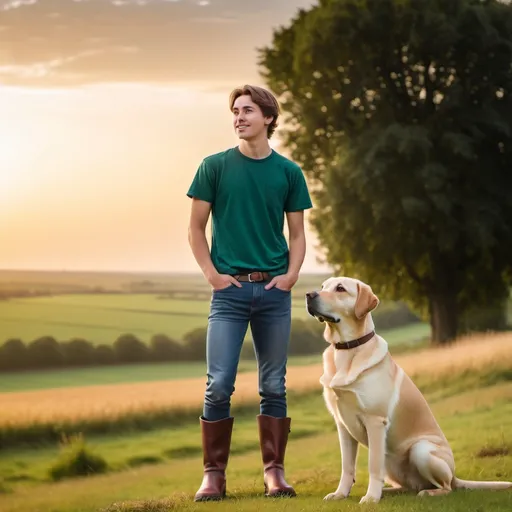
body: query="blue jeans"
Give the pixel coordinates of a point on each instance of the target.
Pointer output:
(232, 310)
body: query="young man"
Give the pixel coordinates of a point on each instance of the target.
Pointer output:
(248, 190)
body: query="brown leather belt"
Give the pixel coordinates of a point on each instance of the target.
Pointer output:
(253, 277)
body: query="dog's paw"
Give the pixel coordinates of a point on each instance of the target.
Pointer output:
(368, 498)
(335, 496)
(429, 492)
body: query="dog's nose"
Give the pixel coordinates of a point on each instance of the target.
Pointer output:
(311, 295)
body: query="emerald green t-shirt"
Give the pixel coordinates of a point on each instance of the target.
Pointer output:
(249, 199)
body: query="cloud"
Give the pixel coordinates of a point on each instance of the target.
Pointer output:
(46, 68)
(56, 43)
(15, 4)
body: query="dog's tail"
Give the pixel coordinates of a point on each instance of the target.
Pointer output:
(470, 484)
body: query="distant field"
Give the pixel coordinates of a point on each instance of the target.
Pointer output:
(74, 312)
(59, 282)
(102, 318)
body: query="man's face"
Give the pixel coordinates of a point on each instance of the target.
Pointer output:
(248, 119)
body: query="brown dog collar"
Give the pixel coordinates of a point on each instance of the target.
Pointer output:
(346, 345)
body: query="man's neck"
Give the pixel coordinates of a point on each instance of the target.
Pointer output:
(256, 149)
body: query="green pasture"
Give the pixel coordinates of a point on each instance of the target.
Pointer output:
(159, 471)
(73, 310)
(399, 339)
(102, 318)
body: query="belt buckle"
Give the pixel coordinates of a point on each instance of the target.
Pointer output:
(249, 278)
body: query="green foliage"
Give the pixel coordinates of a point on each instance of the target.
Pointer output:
(78, 352)
(104, 354)
(76, 460)
(13, 355)
(129, 349)
(164, 348)
(400, 113)
(195, 344)
(45, 352)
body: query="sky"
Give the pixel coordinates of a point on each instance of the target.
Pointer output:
(107, 108)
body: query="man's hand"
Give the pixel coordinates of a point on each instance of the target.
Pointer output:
(283, 282)
(221, 281)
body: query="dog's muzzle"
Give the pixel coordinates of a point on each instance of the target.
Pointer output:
(312, 306)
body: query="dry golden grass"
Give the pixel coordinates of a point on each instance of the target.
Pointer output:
(472, 353)
(111, 401)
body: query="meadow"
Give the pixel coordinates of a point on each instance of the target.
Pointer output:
(468, 386)
(142, 419)
(102, 318)
(100, 307)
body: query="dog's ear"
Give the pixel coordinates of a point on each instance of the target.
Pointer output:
(366, 301)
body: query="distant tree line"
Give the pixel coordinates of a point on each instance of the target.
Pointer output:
(46, 352)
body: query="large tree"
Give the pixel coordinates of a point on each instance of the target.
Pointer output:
(400, 113)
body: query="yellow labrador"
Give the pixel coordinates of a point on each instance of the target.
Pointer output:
(375, 403)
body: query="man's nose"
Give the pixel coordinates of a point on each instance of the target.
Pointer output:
(311, 295)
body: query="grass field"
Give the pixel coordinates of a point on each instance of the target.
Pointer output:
(102, 318)
(74, 311)
(467, 388)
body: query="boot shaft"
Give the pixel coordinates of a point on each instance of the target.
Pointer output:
(216, 440)
(273, 434)
(273, 440)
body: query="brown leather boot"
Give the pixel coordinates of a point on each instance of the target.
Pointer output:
(273, 440)
(216, 437)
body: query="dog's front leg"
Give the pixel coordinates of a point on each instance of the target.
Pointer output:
(376, 429)
(348, 447)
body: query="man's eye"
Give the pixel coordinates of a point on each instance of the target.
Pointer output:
(340, 288)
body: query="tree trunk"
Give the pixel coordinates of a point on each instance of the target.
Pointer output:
(443, 318)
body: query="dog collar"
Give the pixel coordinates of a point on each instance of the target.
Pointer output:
(346, 345)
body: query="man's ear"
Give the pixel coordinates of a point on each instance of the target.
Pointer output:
(366, 301)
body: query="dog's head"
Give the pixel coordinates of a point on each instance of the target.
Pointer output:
(341, 299)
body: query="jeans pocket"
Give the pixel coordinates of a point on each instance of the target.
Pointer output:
(228, 287)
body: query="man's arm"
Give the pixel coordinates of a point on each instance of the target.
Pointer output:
(297, 240)
(199, 214)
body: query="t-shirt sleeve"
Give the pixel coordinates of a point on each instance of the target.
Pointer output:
(298, 195)
(203, 184)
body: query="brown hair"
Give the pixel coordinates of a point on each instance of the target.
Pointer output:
(263, 98)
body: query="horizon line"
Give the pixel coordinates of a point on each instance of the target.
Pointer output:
(93, 271)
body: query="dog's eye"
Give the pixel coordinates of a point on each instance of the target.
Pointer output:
(340, 288)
